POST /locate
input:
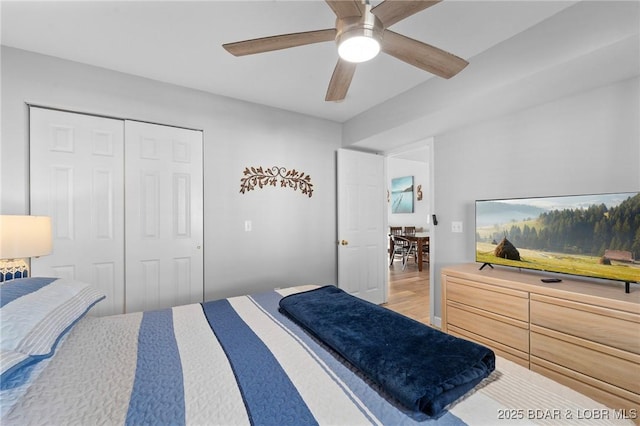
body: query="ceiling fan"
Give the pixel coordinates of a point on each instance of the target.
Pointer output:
(360, 33)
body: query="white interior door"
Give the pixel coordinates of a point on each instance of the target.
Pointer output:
(76, 177)
(163, 216)
(361, 232)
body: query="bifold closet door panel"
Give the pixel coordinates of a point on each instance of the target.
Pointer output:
(76, 177)
(163, 216)
(125, 199)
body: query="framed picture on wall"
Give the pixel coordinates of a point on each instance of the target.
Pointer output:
(402, 195)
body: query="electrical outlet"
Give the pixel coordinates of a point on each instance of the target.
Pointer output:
(456, 227)
(247, 226)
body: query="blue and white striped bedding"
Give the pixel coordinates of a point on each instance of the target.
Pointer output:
(256, 367)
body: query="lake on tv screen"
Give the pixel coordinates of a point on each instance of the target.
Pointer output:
(591, 235)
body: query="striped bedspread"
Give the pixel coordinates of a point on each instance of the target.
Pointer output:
(256, 367)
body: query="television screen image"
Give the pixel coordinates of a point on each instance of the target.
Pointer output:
(595, 235)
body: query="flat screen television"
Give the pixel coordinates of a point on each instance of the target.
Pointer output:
(596, 235)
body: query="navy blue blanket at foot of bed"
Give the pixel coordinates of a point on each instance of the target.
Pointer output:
(423, 368)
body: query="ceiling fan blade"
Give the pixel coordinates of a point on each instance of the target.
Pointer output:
(422, 55)
(392, 11)
(340, 80)
(284, 41)
(346, 8)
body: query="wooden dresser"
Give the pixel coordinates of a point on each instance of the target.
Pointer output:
(583, 334)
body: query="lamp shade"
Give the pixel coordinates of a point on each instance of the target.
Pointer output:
(24, 236)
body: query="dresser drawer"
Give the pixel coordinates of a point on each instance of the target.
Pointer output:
(610, 395)
(504, 330)
(612, 328)
(499, 300)
(508, 352)
(598, 361)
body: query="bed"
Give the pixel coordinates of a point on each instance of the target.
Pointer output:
(258, 365)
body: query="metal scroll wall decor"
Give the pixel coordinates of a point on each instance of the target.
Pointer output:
(259, 177)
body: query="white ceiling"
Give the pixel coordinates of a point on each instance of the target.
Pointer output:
(179, 42)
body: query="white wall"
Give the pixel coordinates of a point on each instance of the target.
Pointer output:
(399, 167)
(586, 143)
(293, 236)
(571, 52)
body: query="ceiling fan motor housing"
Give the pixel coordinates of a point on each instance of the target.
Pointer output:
(367, 28)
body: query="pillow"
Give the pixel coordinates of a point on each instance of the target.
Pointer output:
(17, 379)
(11, 362)
(36, 312)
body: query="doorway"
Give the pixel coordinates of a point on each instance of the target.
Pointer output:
(415, 159)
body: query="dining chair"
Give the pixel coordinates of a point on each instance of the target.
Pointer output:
(425, 252)
(393, 231)
(413, 246)
(412, 250)
(401, 247)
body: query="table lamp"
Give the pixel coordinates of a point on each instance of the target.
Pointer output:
(22, 237)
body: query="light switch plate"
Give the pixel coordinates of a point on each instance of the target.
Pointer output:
(247, 225)
(456, 227)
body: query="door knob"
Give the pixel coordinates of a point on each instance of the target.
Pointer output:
(344, 242)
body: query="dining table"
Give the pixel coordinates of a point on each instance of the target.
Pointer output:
(421, 238)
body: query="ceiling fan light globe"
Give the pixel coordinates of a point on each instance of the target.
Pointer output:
(358, 48)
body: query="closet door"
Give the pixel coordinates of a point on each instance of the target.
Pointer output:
(163, 216)
(76, 177)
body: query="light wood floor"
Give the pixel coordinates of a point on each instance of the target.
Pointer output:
(409, 290)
